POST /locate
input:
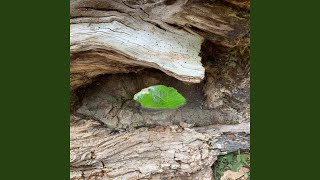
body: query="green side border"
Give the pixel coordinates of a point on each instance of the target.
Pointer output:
(34, 90)
(285, 90)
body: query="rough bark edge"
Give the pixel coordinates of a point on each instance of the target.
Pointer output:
(152, 153)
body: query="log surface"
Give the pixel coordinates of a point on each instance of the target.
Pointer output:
(190, 40)
(151, 153)
(126, 36)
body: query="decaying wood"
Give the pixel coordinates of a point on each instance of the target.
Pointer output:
(150, 153)
(190, 40)
(245, 4)
(118, 36)
(222, 99)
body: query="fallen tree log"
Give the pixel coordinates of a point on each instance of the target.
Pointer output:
(127, 36)
(97, 152)
(222, 99)
(195, 41)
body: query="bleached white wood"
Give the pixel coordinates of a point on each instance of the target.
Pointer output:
(148, 46)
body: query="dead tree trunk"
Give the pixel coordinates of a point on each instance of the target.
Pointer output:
(150, 153)
(121, 46)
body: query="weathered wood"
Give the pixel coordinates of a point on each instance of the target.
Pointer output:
(126, 36)
(152, 153)
(245, 4)
(122, 36)
(146, 46)
(222, 99)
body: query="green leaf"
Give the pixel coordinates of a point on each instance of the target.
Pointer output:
(160, 97)
(239, 158)
(220, 173)
(229, 157)
(244, 161)
(230, 166)
(236, 166)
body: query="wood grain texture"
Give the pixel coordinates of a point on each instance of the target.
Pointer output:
(182, 38)
(146, 46)
(149, 153)
(125, 36)
(245, 4)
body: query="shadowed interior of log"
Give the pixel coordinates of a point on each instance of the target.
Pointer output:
(118, 47)
(99, 151)
(110, 101)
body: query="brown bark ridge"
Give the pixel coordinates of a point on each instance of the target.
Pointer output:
(150, 153)
(122, 36)
(201, 46)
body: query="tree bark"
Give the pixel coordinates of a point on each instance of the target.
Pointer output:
(202, 42)
(150, 153)
(124, 36)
